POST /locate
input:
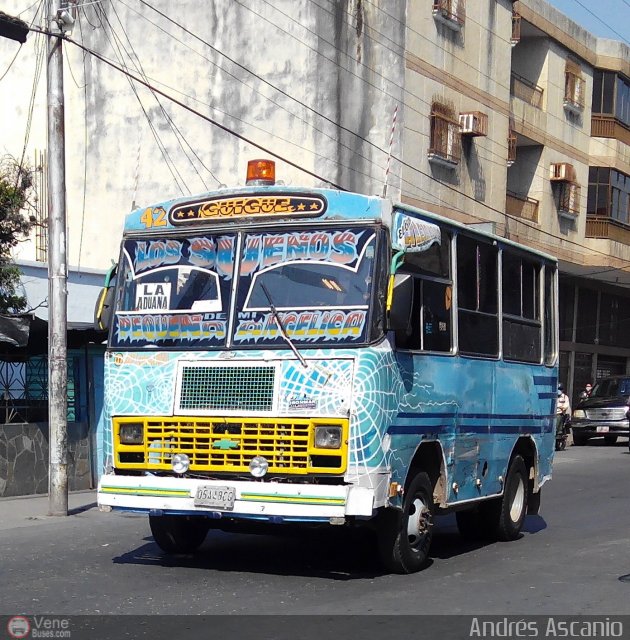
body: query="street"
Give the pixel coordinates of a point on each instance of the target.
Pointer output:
(570, 560)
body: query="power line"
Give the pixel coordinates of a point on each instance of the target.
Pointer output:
(161, 146)
(336, 140)
(623, 39)
(138, 65)
(296, 166)
(204, 117)
(258, 77)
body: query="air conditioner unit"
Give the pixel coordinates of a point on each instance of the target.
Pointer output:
(562, 172)
(473, 123)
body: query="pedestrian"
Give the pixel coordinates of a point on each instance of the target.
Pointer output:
(586, 393)
(563, 411)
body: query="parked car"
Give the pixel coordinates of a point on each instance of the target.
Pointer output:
(604, 412)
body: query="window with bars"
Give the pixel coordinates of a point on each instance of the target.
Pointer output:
(445, 145)
(574, 87)
(24, 389)
(511, 158)
(569, 198)
(451, 13)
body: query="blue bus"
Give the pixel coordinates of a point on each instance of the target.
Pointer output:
(301, 355)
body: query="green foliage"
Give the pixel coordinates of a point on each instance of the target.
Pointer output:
(16, 184)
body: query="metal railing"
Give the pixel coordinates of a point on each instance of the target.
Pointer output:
(607, 228)
(526, 90)
(454, 10)
(609, 127)
(521, 206)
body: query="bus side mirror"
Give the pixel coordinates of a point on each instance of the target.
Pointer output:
(104, 308)
(402, 304)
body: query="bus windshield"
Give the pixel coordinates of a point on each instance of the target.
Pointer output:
(179, 292)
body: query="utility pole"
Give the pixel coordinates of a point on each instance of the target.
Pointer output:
(57, 268)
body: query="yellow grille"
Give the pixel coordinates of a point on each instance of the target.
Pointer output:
(228, 444)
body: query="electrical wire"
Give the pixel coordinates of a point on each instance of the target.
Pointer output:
(484, 156)
(135, 60)
(291, 163)
(622, 38)
(354, 151)
(167, 159)
(335, 139)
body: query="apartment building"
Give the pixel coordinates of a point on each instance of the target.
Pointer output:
(519, 119)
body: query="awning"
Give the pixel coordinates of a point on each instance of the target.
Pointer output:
(14, 330)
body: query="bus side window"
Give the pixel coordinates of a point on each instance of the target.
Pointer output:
(431, 326)
(478, 318)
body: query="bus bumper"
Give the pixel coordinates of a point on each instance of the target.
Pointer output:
(268, 501)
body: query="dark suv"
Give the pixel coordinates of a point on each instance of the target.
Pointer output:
(604, 412)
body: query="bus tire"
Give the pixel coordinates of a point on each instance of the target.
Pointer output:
(505, 515)
(404, 537)
(178, 534)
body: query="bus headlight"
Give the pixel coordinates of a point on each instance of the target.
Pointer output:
(180, 463)
(131, 433)
(258, 466)
(580, 414)
(327, 437)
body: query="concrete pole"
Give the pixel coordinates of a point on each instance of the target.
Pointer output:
(57, 277)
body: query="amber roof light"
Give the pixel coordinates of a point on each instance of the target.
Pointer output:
(261, 172)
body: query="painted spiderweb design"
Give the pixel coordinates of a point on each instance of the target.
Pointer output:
(328, 382)
(377, 392)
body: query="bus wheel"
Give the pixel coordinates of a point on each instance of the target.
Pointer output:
(404, 537)
(505, 516)
(179, 534)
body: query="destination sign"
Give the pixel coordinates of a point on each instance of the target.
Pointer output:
(251, 205)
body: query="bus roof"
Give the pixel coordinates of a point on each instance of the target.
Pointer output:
(244, 205)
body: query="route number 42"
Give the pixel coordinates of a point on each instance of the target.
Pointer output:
(154, 217)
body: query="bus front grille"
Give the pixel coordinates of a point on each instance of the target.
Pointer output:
(228, 444)
(223, 387)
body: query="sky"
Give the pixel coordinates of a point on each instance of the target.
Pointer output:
(603, 18)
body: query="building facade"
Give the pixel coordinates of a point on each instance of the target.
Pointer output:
(518, 118)
(492, 112)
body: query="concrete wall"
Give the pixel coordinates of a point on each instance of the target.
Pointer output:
(313, 81)
(471, 69)
(24, 458)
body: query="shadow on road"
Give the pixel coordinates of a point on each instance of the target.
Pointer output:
(325, 554)
(86, 507)
(337, 555)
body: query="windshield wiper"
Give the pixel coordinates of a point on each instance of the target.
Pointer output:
(283, 331)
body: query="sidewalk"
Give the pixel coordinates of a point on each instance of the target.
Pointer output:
(25, 511)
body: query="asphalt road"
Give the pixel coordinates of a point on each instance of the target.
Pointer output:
(570, 560)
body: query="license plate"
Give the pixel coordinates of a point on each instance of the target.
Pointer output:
(215, 497)
(602, 429)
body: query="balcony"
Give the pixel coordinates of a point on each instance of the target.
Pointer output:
(526, 90)
(609, 127)
(521, 207)
(451, 13)
(607, 228)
